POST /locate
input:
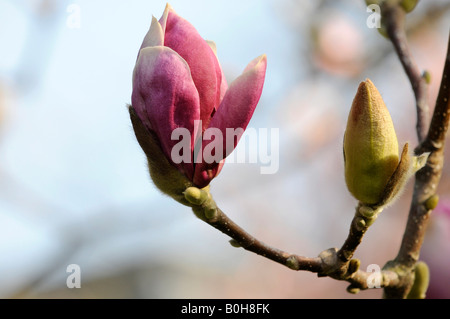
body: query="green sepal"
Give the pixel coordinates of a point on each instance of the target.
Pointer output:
(166, 177)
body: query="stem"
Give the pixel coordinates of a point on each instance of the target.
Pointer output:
(394, 16)
(427, 179)
(365, 280)
(223, 223)
(326, 264)
(358, 228)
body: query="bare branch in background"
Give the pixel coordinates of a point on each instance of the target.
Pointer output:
(424, 198)
(394, 17)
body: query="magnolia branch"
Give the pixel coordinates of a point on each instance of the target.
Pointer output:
(424, 197)
(360, 224)
(243, 239)
(333, 263)
(427, 179)
(394, 17)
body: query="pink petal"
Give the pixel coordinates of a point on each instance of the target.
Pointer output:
(204, 175)
(235, 111)
(183, 38)
(240, 100)
(163, 19)
(223, 82)
(165, 98)
(154, 36)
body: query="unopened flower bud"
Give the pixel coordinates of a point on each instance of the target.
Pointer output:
(234, 243)
(377, 2)
(353, 290)
(196, 195)
(373, 172)
(432, 202)
(421, 281)
(408, 5)
(370, 145)
(353, 266)
(179, 87)
(426, 75)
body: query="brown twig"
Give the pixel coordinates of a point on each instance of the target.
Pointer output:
(326, 264)
(427, 178)
(394, 18)
(426, 183)
(243, 239)
(358, 228)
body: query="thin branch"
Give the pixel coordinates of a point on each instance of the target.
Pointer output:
(394, 17)
(365, 280)
(358, 228)
(326, 264)
(439, 123)
(427, 179)
(223, 223)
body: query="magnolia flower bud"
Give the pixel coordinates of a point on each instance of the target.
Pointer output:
(180, 91)
(373, 172)
(370, 145)
(408, 5)
(377, 2)
(421, 281)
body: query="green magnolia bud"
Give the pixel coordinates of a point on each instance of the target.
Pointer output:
(353, 290)
(421, 281)
(353, 266)
(377, 2)
(292, 262)
(382, 30)
(408, 5)
(202, 202)
(370, 145)
(196, 195)
(432, 202)
(234, 243)
(426, 75)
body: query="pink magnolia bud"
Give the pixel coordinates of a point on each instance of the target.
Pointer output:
(179, 83)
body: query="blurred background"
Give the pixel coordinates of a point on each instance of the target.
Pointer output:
(74, 187)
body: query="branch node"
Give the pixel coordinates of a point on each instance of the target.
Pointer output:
(353, 266)
(431, 202)
(234, 243)
(367, 212)
(292, 263)
(426, 75)
(360, 223)
(210, 212)
(353, 289)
